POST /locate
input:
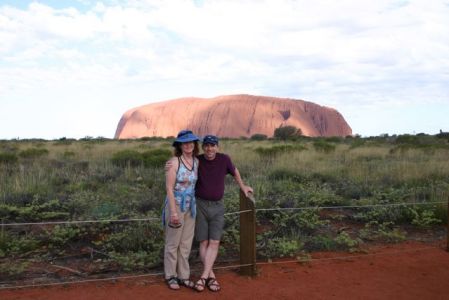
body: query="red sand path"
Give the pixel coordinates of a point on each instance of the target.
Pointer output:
(402, 271)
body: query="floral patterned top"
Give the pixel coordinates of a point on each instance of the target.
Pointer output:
(184, 189)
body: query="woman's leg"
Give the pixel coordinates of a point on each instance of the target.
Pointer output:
(172, 240)
(185, 245)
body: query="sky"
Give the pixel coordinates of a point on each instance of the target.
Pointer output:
(72, 68)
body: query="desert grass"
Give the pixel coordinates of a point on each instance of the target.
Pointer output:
(77, 180)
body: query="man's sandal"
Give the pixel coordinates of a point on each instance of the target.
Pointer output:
(187, 283)
(200, 285)
(213, 285)
(173, 283)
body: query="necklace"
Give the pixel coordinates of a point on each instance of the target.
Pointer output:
(187, 163)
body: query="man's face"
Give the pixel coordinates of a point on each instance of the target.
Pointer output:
(210, 151)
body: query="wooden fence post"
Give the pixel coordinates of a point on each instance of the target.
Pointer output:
(247, 235)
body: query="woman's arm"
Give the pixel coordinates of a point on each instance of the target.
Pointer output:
(170, 180)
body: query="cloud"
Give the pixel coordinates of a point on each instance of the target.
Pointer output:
(351, 55)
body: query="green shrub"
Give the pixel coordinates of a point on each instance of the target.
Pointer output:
(357, 142)
(8, 158)
(106, 210)
(287, 132)
(382, 231)
(334, 139)
(322, 146)
(127, 158)
(281, 247)
(16, 245)
(258, 137)
(34, 211)
(278, 149)
(12, 269)
(156, 158)
(33, 153)
(135, 246)
(321, 242)
(423, 217)
(286, 174)
(407, 139)
(60, 236)
(345, 241)
(68, 154)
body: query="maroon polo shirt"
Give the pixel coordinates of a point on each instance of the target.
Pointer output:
(211, 176)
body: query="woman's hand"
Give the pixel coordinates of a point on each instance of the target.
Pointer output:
(174, 220)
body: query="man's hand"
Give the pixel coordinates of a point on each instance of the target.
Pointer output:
(168, 165)
(247, 190)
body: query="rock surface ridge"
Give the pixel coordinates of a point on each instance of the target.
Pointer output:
(231, 116)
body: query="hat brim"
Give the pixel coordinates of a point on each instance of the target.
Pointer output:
(187, 140)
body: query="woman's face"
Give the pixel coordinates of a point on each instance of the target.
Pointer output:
(187, 147)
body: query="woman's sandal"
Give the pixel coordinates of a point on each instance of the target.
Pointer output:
(200, 285)
(173, 283)
(212, 284)
(187, 283)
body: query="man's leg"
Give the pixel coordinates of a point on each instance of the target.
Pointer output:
(209, 235)
(208, 254)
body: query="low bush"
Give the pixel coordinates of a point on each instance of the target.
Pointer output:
(156, 158)
(127, 158)
(33, 153)
(281, 247)
(322, 146)
(278, 149)
(8, 158)
(12, 269)
(346, 242)
(287, 133)
(285, 174)
(258, 137)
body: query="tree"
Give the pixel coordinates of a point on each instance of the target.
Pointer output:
(287, 132)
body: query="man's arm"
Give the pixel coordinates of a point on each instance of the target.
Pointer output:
(245, 188)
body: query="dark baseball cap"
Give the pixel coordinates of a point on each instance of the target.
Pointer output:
(210, 139)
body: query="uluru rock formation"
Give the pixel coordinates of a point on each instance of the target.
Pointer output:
(231, 116)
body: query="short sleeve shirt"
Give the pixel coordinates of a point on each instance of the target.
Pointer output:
(211, 176)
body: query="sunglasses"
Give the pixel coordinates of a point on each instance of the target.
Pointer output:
(174, 225)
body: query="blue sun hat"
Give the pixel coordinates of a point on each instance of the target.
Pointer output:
(210, 139)
(185, 136)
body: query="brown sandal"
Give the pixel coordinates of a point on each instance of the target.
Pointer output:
(187, 283)
(200, 285)
(213, 285)
(173, 283)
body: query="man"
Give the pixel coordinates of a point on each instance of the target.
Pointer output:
(209, 191)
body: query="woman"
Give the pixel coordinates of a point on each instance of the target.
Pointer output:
(180, 209)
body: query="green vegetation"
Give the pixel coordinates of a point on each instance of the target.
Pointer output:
(101, 179)
(287, 133)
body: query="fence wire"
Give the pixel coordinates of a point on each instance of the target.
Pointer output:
(226, 214)
(117, 278)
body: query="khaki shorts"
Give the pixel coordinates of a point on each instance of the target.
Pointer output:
(209, 220)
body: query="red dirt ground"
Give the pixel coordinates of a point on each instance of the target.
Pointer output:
(403, 271)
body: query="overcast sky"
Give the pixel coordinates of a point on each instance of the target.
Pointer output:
(72, 68)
